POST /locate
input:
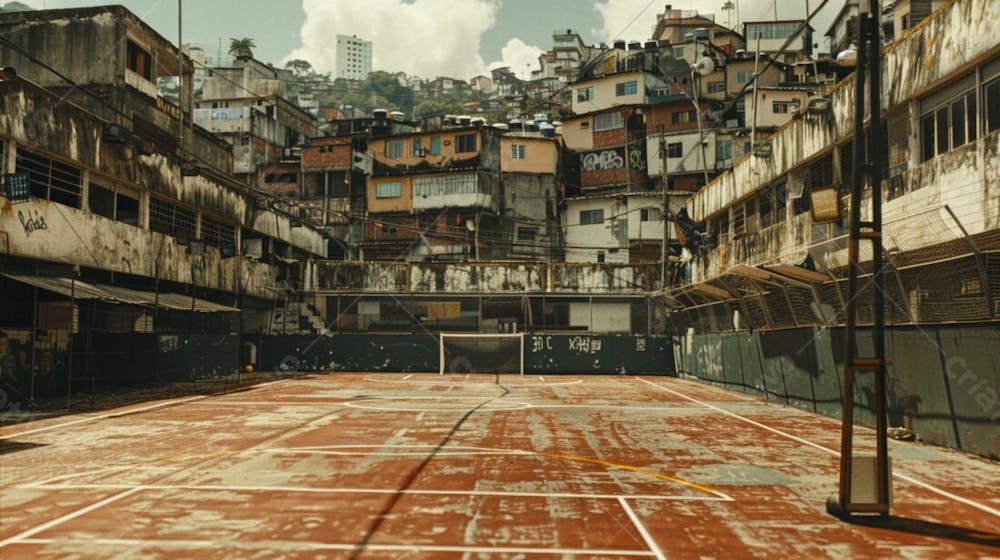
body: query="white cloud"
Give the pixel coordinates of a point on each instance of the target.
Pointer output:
(427, 38)
(617, 14)
(521, 57)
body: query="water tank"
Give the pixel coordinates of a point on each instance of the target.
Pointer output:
(380, 114)
(515, 125)
(500, 126)
(547, 130)
(398, 115)
(530, 127)
(740, 53)
(478, 121)
(619, 44)
(652, 45)
(701, 33)
(464, 120)
(635, 46)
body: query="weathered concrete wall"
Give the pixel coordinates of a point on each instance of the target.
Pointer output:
(42, 230)
(959, 34)
(944, 382)
(473, 278)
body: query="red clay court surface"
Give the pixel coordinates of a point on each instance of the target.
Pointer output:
(480, 466)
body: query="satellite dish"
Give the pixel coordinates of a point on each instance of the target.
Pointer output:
(704, 66)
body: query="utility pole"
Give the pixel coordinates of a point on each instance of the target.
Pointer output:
(666, 210)
(847, 502)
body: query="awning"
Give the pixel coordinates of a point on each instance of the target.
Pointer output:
(114, 294)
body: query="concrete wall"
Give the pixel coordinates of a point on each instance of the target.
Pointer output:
(478, 278)
(943, 381)
(584, 241)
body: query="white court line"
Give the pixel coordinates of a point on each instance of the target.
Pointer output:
(116, 412)
(484, 383)
(70, 516)
(128, 411)
(657, 553)
(298, 545)
(897, 474)
(383, 491)
(407, 376)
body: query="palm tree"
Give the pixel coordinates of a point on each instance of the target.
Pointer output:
(242, 48)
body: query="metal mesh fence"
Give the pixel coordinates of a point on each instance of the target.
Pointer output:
(955, 279)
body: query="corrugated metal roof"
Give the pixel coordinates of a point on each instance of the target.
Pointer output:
(114, 294)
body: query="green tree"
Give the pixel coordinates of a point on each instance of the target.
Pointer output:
(299, 67)
(242, 48)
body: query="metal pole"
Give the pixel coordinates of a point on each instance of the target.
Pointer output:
(180, 74)
(701, 133)
(34, 340)
(878, 334)
(756, 65)
(666, 210)
(69, 369)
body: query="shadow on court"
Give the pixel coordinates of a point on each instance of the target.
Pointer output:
(931, 529)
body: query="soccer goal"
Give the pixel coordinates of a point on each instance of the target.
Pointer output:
(482, 353)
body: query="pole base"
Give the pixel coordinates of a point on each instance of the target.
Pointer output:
(834, 508)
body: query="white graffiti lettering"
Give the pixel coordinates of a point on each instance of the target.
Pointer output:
(597, 161)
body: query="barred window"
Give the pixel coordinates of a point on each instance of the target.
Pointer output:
(388, 190)
(519, 151)
(217, 233)
(170, 219)
(588, 217)
(50, 179)
(626, 88)
(394, 148)
(682, 117)
(437, 185)
(716, 87)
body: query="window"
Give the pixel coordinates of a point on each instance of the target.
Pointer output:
(394, 148)
(991, 93)
(678, 52)
(585, 94)
(119, 204)
(584, 125)
(723, 150)
(527, 234)
(948, 118)
(716, 87)
(783, 107)
(764, 205)
(171, 219)
(683, 117)
(771, 30)
(50, 179)
(465, 143)
(608, 121)
(217, 233)
(139, 61)
(626, 88)
(416, 148)
(744, 76)
(452, 183)
(388, 190)
(651, 215)
(589, 217)
(518, 151)
(435, 145)
(675, 150)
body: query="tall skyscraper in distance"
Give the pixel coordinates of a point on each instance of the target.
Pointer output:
(354, 57)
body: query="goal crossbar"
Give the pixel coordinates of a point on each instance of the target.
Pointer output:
(470, 337)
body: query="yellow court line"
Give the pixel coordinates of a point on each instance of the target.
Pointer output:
(630, 468)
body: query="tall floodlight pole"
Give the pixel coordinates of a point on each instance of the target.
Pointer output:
(865, 481)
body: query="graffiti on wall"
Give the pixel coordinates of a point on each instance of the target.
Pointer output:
(600, 161)
(31, 221)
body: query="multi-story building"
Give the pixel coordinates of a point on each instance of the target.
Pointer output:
(461, 193)
(121, 224)
(676, 27)
(792, 38)
(248, 106)
(354, 58)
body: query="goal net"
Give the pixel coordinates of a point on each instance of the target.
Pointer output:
(482, 353)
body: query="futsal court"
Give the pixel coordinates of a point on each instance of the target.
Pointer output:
(421, 466)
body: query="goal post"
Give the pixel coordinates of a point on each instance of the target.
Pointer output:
(481, 353)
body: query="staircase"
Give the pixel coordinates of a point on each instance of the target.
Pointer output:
(298, 318)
